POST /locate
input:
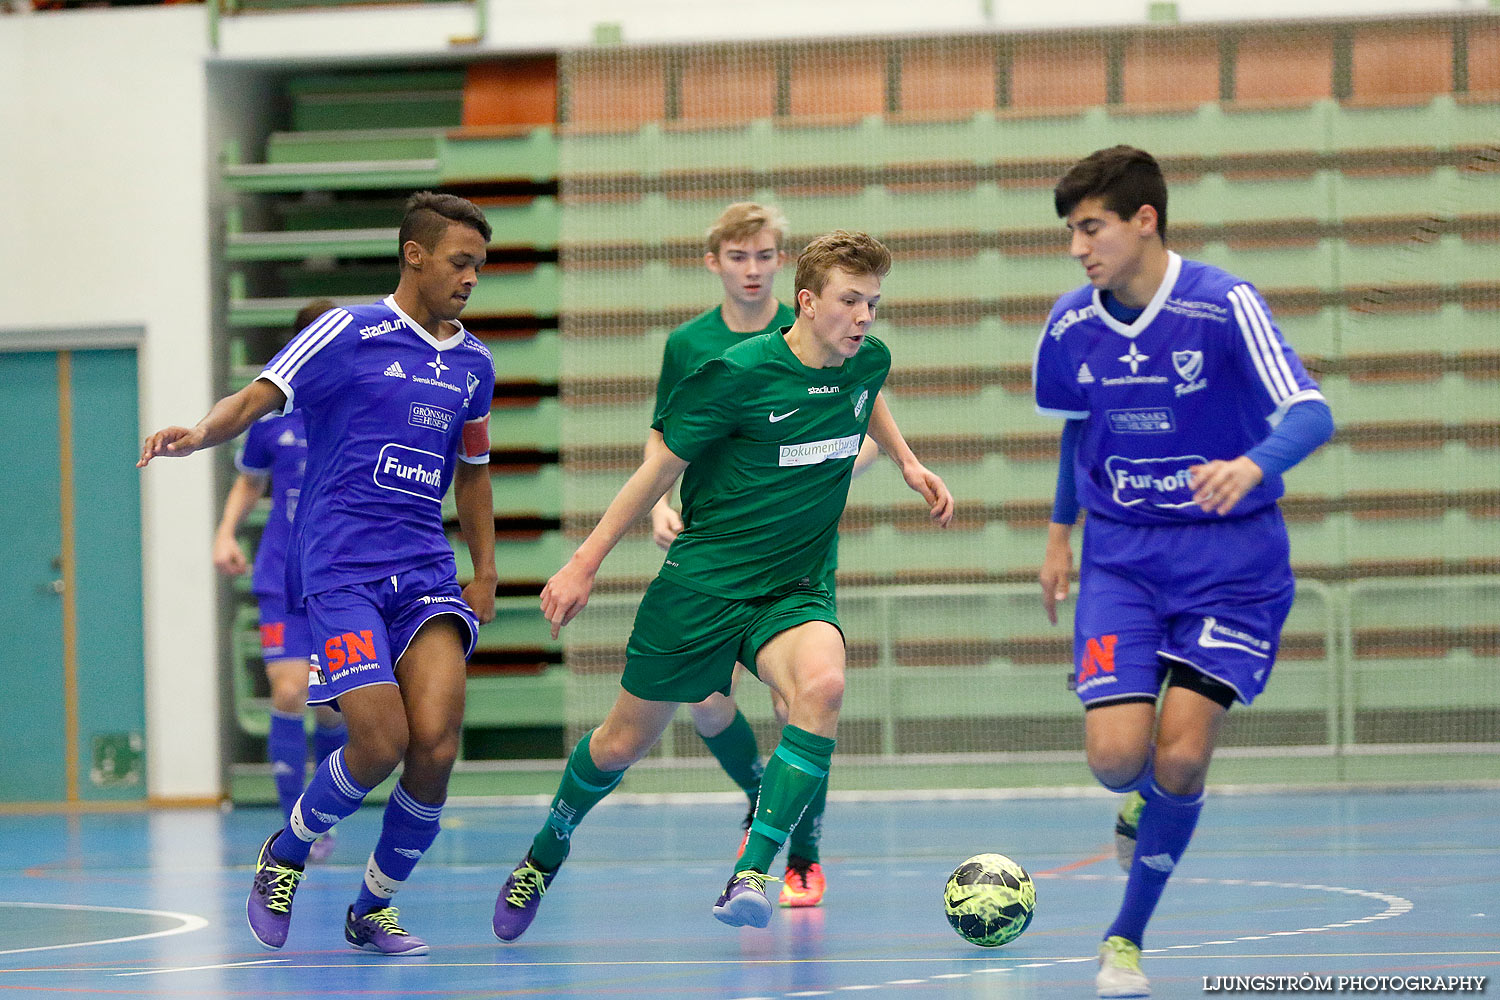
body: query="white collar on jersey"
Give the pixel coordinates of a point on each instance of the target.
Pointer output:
(441, 345)
(1168, 281)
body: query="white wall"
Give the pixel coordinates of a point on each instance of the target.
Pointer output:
(103, 169)
(530, 25)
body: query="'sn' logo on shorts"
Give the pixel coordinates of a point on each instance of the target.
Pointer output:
(1098, 656)
(273, 635)
(349, 649)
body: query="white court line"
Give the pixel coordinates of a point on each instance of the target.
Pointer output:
(190, 922)
(201, 968)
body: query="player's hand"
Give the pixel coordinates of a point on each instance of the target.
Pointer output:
(566, 594)
(1218, 485)
(172, 442)
(479, 595)
(229, 558)
(666, 525)
(933, 490)
(1056, 574)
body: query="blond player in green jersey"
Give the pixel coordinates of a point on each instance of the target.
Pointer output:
(745, 251)
(765, 438)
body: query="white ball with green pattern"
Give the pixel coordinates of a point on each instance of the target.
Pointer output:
(989, 900)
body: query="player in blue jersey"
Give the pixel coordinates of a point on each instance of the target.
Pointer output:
(1184, 407)
(275, 454)
(744, 251)
(396, 396)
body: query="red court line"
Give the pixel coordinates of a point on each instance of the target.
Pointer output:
(1106, 856)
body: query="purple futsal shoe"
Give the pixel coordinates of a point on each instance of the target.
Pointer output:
(269, 908)
(322, 848)
(744, 902)
(379, 931)
(519, 898)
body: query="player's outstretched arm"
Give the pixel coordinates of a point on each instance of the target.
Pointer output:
(926, 482)
(568, 590)
(228, 419)
(229, 558)
(666, 523)
(475, 499)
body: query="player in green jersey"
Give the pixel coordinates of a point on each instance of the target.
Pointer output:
(764, 437)
(745, 251)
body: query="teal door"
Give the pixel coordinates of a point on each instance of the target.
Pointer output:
(75, 705)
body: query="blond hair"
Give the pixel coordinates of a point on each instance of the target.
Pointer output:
(743, 220)
(858, 254)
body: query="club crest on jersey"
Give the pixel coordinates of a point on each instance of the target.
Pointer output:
(472, 381)
(1189, 366)
(859, 404)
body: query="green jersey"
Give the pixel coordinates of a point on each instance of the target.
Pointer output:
(771, 444)
(703, 338)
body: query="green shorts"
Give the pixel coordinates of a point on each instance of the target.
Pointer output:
(685, 643)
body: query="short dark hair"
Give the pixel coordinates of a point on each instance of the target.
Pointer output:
(858, 254)
(1125, 177)
(310, 312)
(428, 216)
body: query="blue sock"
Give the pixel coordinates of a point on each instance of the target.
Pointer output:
(326, 741)
(409, 829)
(331, 796)
(286, 745)
(1166, 826)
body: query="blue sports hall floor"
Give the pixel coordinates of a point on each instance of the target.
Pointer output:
(1317, 883)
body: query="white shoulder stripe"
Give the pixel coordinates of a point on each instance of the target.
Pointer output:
(308, 336)
(1256, 342)
(311, 341)
(1271, 339)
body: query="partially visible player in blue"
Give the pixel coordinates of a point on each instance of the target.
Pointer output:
(397, 397)
(1184, 407)
(275, 454)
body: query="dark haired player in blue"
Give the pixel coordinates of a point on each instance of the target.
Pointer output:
(397, 398)
(1184, 407)
(275, 454)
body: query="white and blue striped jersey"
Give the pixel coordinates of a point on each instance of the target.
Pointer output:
(1202, 374)
(388, 408)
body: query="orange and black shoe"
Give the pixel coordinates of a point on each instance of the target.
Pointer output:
(804, 882)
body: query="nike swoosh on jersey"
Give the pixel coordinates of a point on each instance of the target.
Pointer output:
(1206, 640)
(777, 418)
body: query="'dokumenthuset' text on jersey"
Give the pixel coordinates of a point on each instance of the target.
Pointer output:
(275, 447)
(771, 444)
(387, 408)
(1202, 374)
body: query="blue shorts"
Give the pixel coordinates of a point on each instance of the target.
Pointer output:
(1211, 596)
(284, 634)
(361, 631)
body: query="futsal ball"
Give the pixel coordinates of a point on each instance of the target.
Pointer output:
(989, 900)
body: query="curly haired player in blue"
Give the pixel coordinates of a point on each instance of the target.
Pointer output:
(1184, 407)
(397, 400)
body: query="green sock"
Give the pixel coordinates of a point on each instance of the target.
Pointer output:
(793, 775)
(809, 829)
(737, 753)
(582, 785)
